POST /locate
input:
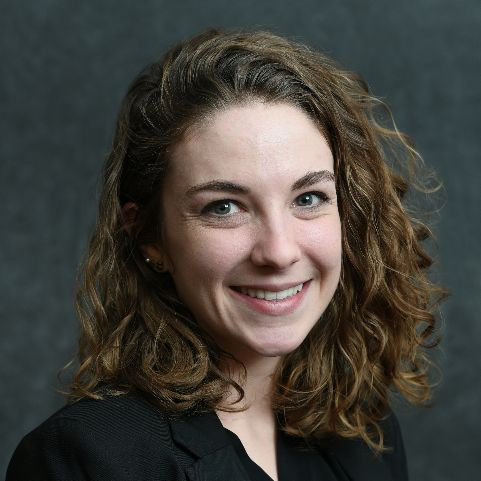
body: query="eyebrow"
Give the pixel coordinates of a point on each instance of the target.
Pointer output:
(218, 186)
(307, 180)
(312, 178)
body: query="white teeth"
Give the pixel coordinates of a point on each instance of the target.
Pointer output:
(271, 295)
(254, 293)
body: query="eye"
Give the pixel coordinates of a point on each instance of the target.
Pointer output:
(310, 199)
(221, 208)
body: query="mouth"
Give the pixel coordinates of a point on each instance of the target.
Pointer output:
(273, 300)
(270, 295)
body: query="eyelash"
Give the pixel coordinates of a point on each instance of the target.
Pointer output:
(209, 208)
(323, 199)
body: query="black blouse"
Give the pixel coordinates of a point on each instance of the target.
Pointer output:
(293, 462)
(125, 438)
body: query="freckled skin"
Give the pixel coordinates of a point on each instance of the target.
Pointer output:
(265, 236)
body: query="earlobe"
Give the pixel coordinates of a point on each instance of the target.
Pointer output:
(154, 257)
(157, 265)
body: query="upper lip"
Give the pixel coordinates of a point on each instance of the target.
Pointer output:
(271, 287)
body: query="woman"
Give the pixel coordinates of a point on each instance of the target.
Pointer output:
(255, 288)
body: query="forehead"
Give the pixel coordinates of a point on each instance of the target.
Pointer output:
(254, 142)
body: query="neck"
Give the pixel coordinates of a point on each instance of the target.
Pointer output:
(257, 384)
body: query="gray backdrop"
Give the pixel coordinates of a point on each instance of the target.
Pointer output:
(65, 66)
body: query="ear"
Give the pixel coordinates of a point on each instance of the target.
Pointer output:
(151, 253)
(130, 211)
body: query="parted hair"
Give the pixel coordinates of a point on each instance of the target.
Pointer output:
(372, 339)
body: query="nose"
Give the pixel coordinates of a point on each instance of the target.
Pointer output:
(276, 245)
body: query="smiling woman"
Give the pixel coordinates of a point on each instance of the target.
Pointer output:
(255, 287)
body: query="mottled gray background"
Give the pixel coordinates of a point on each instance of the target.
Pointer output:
(65, 66)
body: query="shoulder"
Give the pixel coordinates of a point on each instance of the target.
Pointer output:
(119, 437)
(356, 458)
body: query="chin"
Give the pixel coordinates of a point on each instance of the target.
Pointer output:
(277, 349)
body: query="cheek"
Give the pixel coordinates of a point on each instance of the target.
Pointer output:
(208, 253)
(323, 242)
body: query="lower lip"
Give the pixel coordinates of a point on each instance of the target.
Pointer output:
(276, 307)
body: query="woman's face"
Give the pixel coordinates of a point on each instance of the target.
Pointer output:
(252, 229)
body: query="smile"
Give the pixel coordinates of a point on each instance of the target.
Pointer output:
(272, 300)
(271, 295)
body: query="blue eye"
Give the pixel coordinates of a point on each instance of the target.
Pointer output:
(310, 199)
(221, 208)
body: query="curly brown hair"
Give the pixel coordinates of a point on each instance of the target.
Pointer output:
(137, 334)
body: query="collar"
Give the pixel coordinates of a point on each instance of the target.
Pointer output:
(204, 437)
(201, 434)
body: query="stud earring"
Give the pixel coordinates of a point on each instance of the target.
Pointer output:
(156, 265)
